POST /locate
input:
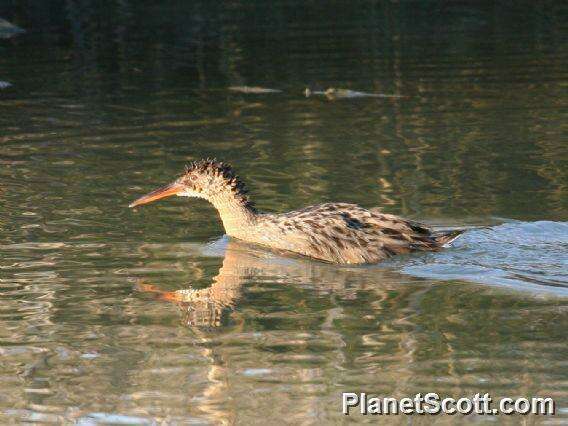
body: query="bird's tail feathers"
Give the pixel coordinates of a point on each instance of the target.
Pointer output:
(447, 237)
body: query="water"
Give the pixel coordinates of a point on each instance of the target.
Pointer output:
(112, 315)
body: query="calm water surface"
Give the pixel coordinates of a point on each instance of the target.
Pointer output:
(112, 315)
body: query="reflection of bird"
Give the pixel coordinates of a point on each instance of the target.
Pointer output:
(333, 232)
(213, 306)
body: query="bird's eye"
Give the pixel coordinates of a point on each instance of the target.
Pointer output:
(192, 177)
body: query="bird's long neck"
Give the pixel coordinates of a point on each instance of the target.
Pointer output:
(236, 212)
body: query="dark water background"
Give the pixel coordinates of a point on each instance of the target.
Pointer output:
(113, 315)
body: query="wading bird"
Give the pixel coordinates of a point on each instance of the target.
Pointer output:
(332, 232)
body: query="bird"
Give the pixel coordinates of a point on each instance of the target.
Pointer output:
(341, 233)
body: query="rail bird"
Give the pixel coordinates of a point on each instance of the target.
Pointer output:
(333, 232)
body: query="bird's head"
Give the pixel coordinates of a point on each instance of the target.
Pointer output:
(208, 179)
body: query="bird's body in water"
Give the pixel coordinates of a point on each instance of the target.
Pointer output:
(332, 232)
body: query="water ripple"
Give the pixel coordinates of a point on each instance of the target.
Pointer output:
(531, 256)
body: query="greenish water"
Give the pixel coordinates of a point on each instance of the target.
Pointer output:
(114, 315)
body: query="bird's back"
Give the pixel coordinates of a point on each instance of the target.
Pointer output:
(346, 233)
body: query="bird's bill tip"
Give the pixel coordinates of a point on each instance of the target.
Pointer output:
(165, 191)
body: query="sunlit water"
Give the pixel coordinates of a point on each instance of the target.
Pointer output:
(112, 315)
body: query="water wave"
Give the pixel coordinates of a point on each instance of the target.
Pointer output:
(530, 256)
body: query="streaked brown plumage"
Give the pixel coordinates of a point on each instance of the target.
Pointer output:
(333, 232)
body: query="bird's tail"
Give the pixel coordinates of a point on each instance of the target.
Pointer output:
(447, 237)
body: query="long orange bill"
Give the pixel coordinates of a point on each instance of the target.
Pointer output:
(165, 191)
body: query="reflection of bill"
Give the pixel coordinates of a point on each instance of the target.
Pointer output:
(202, 307)
(211, 306)
(208, 307)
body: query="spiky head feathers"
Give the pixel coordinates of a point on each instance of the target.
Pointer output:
(211, 178)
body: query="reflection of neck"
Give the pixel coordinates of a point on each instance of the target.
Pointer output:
(237, 214)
